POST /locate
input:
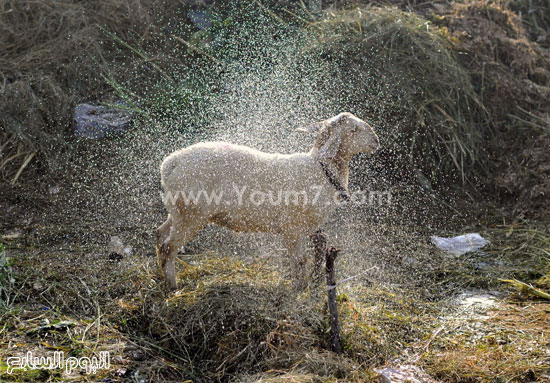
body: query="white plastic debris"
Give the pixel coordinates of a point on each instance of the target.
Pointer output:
(403, 374)
(460, 245)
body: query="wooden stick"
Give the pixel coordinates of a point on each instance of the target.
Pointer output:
(320, 249)
(336, 345)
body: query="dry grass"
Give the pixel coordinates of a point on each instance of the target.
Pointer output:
(233, 319)
(405, 76)
(510, 73)
(522, 250)
(401, 68)
(509, 342)
(242, 321)
(48, 63)
(46, 332)
(229, 319)
(510, 345)
(518, 251)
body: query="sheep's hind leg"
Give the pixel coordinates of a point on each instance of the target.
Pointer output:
(181, 232)
(163, 231)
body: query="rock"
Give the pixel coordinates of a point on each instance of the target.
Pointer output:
(96, 122)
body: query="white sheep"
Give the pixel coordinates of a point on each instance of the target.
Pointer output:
(244, 189)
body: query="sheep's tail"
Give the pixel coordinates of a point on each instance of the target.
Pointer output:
(166, 168)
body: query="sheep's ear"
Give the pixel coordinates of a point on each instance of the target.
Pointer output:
(313, 128)
(331, 146)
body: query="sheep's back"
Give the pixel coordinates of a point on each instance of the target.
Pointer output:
(223, 164)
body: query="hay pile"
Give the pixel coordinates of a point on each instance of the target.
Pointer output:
(47, 65)
(230, 319)
(450, 93)
(509, 70)
(398, 69)
(511, 73)
(392, 66)
(464, 93)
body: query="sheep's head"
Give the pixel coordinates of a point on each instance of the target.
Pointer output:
(343, 136)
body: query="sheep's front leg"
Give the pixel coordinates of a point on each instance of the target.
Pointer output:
(298, 261)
